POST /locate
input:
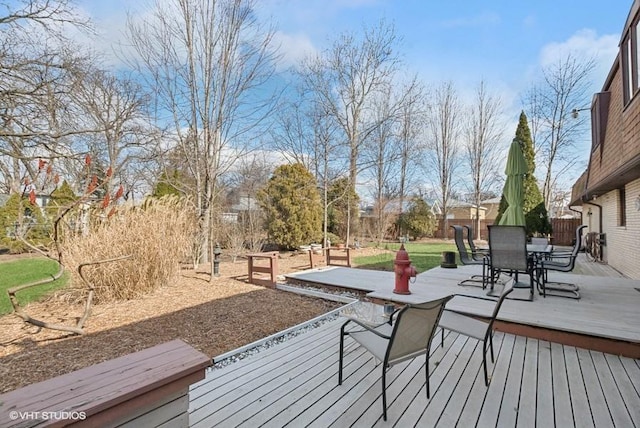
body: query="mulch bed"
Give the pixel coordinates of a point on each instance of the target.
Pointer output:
(212, 317)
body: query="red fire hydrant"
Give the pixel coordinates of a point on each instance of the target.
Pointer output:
(404, 271)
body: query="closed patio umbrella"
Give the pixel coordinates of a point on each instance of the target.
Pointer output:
(513, 187)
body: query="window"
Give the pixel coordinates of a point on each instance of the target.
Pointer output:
(636, 30)
(622, 207)
(599, 119)
(627, 70)
(630, 48)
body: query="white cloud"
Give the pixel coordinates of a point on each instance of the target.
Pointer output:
(588, 45)
(293, 47)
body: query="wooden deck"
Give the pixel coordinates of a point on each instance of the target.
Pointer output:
(533, 383)
(609, 307)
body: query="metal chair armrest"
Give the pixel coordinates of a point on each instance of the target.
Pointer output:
(366, 327)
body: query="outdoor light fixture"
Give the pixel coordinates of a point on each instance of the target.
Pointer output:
(575, 112)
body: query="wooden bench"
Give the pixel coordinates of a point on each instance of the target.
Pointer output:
(146, 388)
(343, 256)
(271, 269)
(317, 257)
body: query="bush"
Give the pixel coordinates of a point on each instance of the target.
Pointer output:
(20, 216)
(335, 239)
(418, 222)
(292, 207)
(158, 235)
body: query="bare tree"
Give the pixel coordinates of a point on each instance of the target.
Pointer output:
(381, 155)
(292, 134)
(114, 110)
(565, 86)
(250, 174)
(35, 59)
(345, 78)
(483, 133)
(444, 128)
(205, 62)
(411, 127)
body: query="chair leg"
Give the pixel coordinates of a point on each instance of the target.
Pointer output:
(426, 367)
(491, 346)
(484, 366)
(384, 392)
(342, 334)
(441, 337)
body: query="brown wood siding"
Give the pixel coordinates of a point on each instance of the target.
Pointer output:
(622, 135)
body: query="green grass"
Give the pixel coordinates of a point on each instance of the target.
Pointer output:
(423, 256)
(25, 271)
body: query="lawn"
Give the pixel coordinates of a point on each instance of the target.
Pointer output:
(23, 271)
(424, 256)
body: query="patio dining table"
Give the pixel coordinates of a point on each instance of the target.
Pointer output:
(539, 251)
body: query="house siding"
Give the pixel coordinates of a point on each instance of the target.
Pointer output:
(613, 163)
(623, 243)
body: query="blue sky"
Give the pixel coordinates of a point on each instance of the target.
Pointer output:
(506, 43)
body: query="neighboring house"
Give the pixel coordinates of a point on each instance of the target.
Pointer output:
(465, 210)
(492, 206)
(393, 207)
(608, 192)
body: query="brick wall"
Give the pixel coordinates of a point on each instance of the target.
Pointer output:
(623, 242)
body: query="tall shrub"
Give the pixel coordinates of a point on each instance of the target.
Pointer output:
(292, 206)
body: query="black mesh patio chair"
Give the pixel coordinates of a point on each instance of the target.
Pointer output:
(405, 337)
(473, 259)
(508, 254)
(475, 327)
(560, 261)
(476, 252)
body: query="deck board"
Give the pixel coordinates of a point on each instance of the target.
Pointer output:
(615, 403)
(561, 395)
(527, 403)
(595, 394)
(276, 387)
(579, 401)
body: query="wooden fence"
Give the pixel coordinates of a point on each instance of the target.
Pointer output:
(564, 230)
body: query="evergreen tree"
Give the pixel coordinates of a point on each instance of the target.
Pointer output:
(532, 194)
(61, 198)
(292, 206)
(537, 220)
(20, 216)
(166, 186)
(418, 221)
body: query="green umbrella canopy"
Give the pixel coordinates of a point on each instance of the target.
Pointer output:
(514, 186)
(516, 163)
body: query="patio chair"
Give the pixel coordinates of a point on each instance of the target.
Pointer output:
(465, 259)
(405, 337)
(476, 252)
(508, 253)
(475, 327)
(560, 261)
